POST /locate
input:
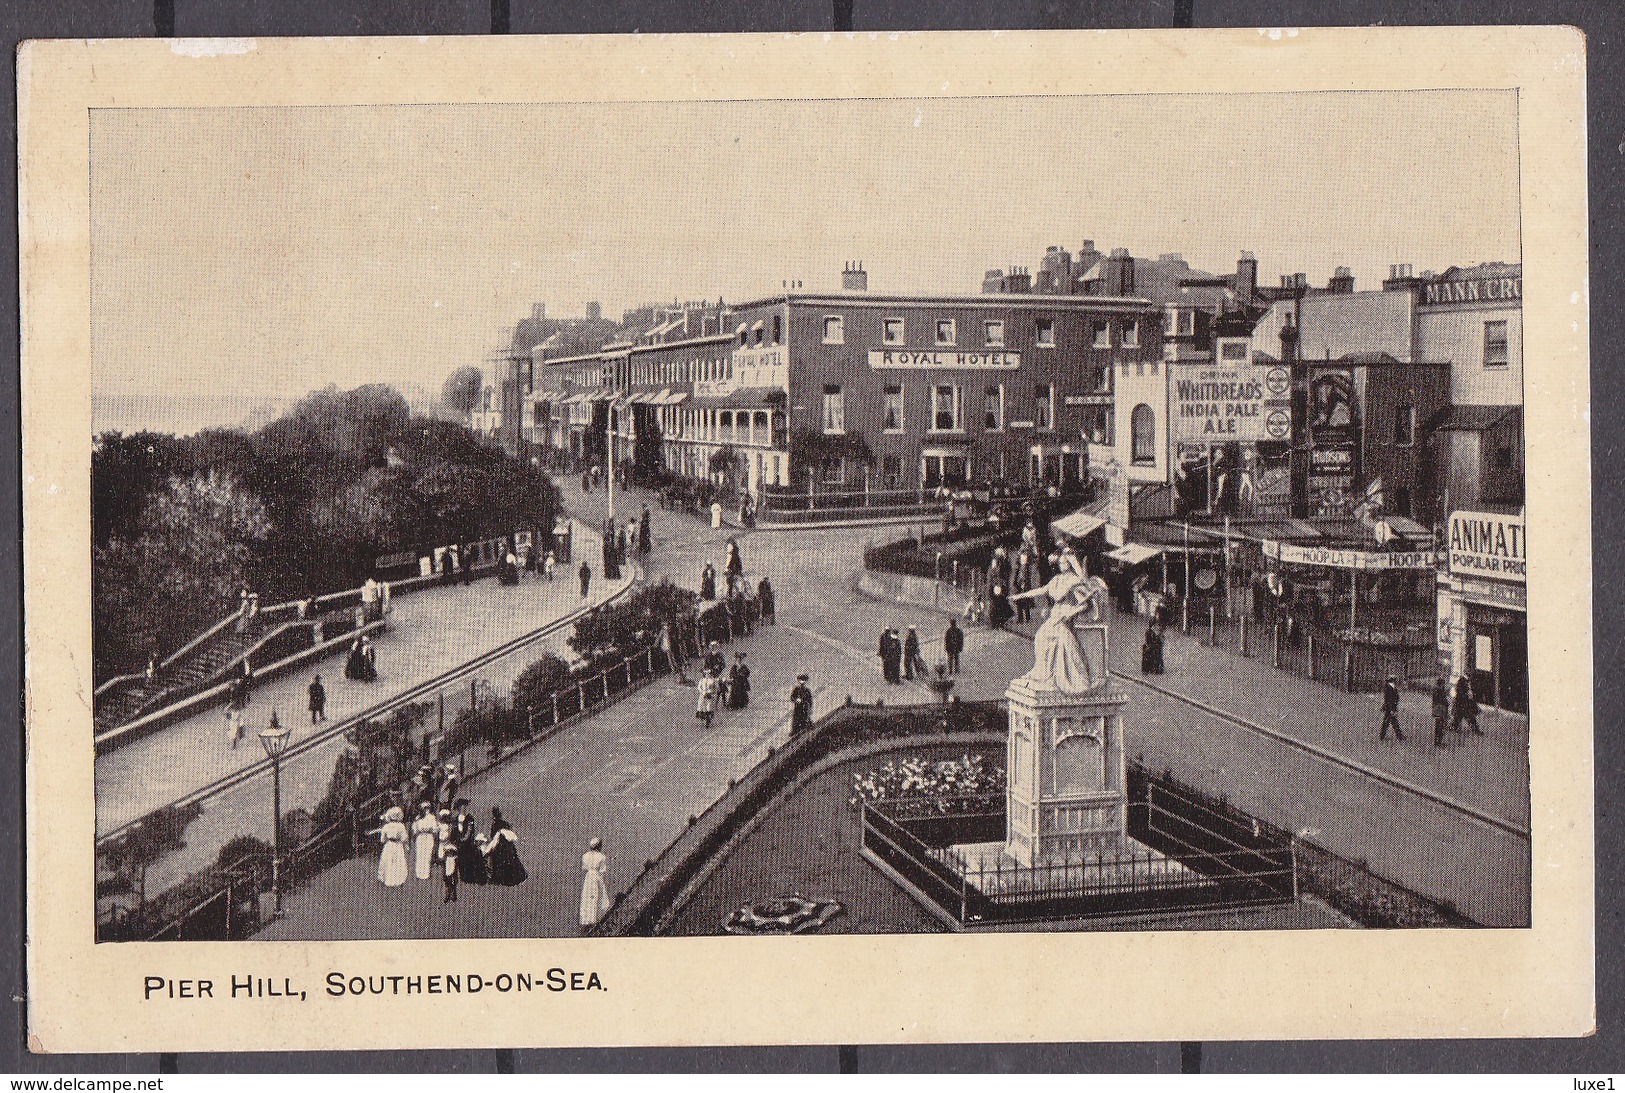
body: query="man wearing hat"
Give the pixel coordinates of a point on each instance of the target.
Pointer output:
(801, 700)
(1390, 709)
(715, 663)
(739, 683)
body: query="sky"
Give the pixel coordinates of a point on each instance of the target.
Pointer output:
(262, 253)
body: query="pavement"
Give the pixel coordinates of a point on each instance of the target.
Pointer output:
(429, 633)
(634, 774)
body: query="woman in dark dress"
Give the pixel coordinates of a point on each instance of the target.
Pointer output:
(501, 855)
(1151, 650)
(998, 608)
(470, 858)
(708, 582)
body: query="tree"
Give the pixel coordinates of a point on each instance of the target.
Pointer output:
(723, 460)
(536, 684)
(154, 835)
(814, 451)
(193, 551)
(461, 392)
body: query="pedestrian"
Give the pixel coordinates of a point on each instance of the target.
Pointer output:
(470, 858)
(1019, 584)
(998, 611)
(370, 652)
(503, 866)
(448, 565)
(318, 700)
(705, 707)
(465, 562)
(242, 610)
(733, 565)
(716, 514)
(1466, 708)
(594, 888)
(586, 482)
(645, 541)
(369, 599)
(549, 565)
(447, 851)
(676, 658)
(152, 668)
(425, 833)
(765, 603)
(953, 643)
(913, 662)
(585, 573)
(715, 662)
(620, 543)
(449, 786)
(708, 582)
(234, 726)
(1151, 663)
(801, 701)
(891, 656)
(392, 862)
(1390, 709)
(1441, 710)
(976, 609)
(739, 684)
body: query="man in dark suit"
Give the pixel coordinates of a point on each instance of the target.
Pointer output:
(801, 701)
(1390, 709)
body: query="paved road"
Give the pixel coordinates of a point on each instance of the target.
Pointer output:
(430, 633)
(634, 774)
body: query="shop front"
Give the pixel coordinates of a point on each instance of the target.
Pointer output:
(1483, 612)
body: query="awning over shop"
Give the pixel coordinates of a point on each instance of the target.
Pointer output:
(670, 398)
(1078, 523)
(745, 398)
(1133, 553)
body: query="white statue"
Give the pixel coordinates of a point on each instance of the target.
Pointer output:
(1059, 662)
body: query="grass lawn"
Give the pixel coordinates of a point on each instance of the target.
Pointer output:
(809, 846)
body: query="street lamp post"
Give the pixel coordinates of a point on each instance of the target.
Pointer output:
(609, 454)
(274, 740)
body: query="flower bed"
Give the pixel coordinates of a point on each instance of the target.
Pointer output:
(970, 783)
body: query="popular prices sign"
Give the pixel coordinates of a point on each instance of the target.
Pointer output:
(1232, 400)
(1487, 544)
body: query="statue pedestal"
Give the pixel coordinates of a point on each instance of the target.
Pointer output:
(1065, 795)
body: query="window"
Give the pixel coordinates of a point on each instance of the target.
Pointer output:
(993, 333)
(993, 407)
(891, 471)
(1495, 344)
(758, 330)
(725, 425)
(1097, 425)
(834, 410)
(778, 329)
(1170, 323)
(945, 332)
(891, 331)
(744, 334)
(1044, 406)
(1233, 351)
(1143, 435)
(1131, 333)
(536, 417)
(1045, 336)
(894, 408)
(1405, 425)
(945, 408)
(1101, 332)
(1502, 458)
(834, 330)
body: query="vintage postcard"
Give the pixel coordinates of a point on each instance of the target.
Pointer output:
(690, 540)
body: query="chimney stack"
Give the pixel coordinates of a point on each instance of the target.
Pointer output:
(854, 279)
(1247, 276)
(1342, 282)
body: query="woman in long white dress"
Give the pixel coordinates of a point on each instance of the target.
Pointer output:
(594, 888)
(392, 862)
(1059, 662)
(425, 829)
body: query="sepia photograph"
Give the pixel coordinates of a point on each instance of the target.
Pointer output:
(1064, 511)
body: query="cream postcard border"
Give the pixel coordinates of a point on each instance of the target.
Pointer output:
(1004, 987)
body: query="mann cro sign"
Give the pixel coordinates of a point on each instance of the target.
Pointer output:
(1487, 544)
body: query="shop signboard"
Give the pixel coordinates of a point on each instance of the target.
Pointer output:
(1487, 544)
(1220, 401)
(1340, 558)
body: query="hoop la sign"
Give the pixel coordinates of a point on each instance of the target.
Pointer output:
(1487, 544)
(1226, 400)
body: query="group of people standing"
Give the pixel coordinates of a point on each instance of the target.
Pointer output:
(621, 539)
(451, 840)
(719, 683)
(901, 658)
